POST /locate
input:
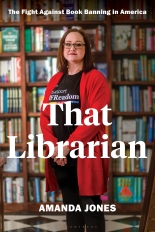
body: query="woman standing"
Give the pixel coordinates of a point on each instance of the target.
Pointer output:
(81, 181)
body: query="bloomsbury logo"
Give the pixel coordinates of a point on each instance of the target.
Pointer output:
(92, 117)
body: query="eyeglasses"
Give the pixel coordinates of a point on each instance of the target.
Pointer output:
(76, 45)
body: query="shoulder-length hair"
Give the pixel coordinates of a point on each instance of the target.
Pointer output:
(62, 63)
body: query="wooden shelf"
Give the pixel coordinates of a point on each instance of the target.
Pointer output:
(9, 85)
(133, 114)
(135, 21)
(130, 174)
(10, 115)
(44, 53)
(6, 145)
(14, 174)
(14, 207)
(36, 84)
(32, 114)
(131, 52)
(9, 54)
(67, 23)
(9, 24)
(118, 83)
(134, 208)
(34, 174)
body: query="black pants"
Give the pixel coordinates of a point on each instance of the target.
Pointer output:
(76, 221)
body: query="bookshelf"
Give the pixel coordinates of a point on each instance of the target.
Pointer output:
(107, 55)
(125, 114)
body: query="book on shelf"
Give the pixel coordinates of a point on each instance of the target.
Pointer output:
(36, 191)
(121, 37)
(10, 39)
(38, 44)
(145, 7)
(41, 6)
(10, 127)
(6, 16)
(128, 189)
(133, 69)
(36, 165)
(40, 70)
(20, 189)
(43, 194)
(69, 5)
(47, 9)
(33, 126)
(10, 100)
(133, 99)
(128, 130)
(12, 164)
(35, 98)
(55, 36)
(128, 37)
(96, 37)
(13, 190)
(8, 187)
(46, 45)
(10, 70)
(28, 42)
(40, 39)
(37, 187)
(126, 165)
(141, 129)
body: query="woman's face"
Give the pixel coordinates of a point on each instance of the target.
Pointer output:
(72, 54)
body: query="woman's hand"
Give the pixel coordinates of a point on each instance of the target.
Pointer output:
(60, 161)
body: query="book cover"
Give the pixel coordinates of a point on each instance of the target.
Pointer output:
(12, 164)
(121, 37)
(10, 39)
(41, 70)
(125, 189)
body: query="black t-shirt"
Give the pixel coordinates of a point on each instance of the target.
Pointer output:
(68, 89)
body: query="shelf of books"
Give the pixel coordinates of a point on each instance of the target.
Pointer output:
(133, 103)
(123, 48)
(12, 106)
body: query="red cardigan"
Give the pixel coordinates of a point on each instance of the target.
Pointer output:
(92, 172)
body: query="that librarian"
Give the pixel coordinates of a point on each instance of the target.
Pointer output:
(81, 181)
